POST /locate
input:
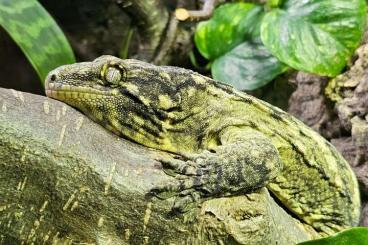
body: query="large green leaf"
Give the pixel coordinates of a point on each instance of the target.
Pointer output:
(229, 26)
(353, 236)
(317, 36)
(36, 33)
(247, 67)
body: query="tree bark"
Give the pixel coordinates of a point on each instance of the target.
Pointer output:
(151, 18)
(66, 179)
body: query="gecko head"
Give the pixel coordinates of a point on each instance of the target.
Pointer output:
(119, 94)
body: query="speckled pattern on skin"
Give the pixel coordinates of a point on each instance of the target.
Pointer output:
(229, 142)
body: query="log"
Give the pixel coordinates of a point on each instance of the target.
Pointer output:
(65, 179)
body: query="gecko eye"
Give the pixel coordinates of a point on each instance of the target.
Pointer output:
(113, 75)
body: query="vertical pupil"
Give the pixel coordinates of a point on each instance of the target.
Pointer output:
(113, 75)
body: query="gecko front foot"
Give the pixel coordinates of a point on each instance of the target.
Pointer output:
(193, 179)
(234, 168)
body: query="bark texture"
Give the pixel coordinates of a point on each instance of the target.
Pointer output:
(65, 179)
(150, 18)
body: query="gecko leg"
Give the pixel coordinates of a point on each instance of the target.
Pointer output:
(246, 160)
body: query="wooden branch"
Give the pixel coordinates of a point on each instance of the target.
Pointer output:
(183, 14)
(65, 179)
(151, 18)
(167, 43)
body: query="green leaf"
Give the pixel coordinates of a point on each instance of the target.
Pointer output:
(247, 67)
(36, 33)
(353, 236)
(317, 36)
(229, 26)
(275, 3)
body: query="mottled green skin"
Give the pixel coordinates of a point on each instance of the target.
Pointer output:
(232, 142)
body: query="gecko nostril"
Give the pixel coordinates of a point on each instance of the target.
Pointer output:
(53, 77)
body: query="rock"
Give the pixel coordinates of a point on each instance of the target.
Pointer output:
(309, 104)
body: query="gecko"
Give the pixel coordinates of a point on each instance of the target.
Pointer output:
(229, 142)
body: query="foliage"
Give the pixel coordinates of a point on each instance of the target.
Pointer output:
(316, 36)
(227, 27)
(231, 40)
(250, 62)
(36, 33)
(356, 236)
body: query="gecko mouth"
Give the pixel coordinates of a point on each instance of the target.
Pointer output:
(63, 92)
